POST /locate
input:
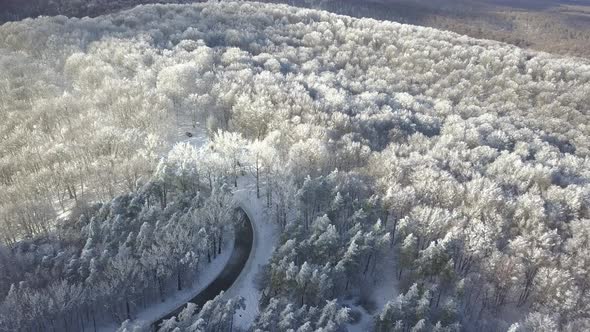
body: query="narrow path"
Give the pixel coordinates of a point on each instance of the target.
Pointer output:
(243, 239)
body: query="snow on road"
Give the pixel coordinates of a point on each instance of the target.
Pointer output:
(208, 272)
(265, 239)
(266, 236)
(147, 316)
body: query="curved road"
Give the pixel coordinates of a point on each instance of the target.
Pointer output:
(243, 239)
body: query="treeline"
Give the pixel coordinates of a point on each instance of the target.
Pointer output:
(218, 315)
(115, 258)
(215, 315)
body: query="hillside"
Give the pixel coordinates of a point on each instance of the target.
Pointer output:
(554, 26)
(420, 180)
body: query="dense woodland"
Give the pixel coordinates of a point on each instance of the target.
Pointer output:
(467, 161)
(116, 258)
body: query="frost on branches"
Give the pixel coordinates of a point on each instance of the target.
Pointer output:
(449, 172)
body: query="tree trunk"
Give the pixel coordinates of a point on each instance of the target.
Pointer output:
(128, 309)
(94, 320)
(214, 247)
(61, 202)
(393, 232)
(163, 195)
(368, 262)
(70, 194)
(303, 293)
(257, 181)
(161, 289)
(179, 279)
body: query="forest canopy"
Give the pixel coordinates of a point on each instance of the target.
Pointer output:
(468, 161)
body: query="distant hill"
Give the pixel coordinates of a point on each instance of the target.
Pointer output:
(559, 27)
(15, 10)
(555, 26)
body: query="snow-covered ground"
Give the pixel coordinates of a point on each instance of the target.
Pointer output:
(266, 236)
(365, 322)
(199, 135)
(265, 239)
(146, 317)
(383, 287)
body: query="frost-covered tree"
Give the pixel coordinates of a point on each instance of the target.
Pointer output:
(473, 154)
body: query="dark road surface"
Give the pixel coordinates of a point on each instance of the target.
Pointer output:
(243, 239)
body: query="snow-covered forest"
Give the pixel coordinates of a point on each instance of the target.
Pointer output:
(420, 180)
